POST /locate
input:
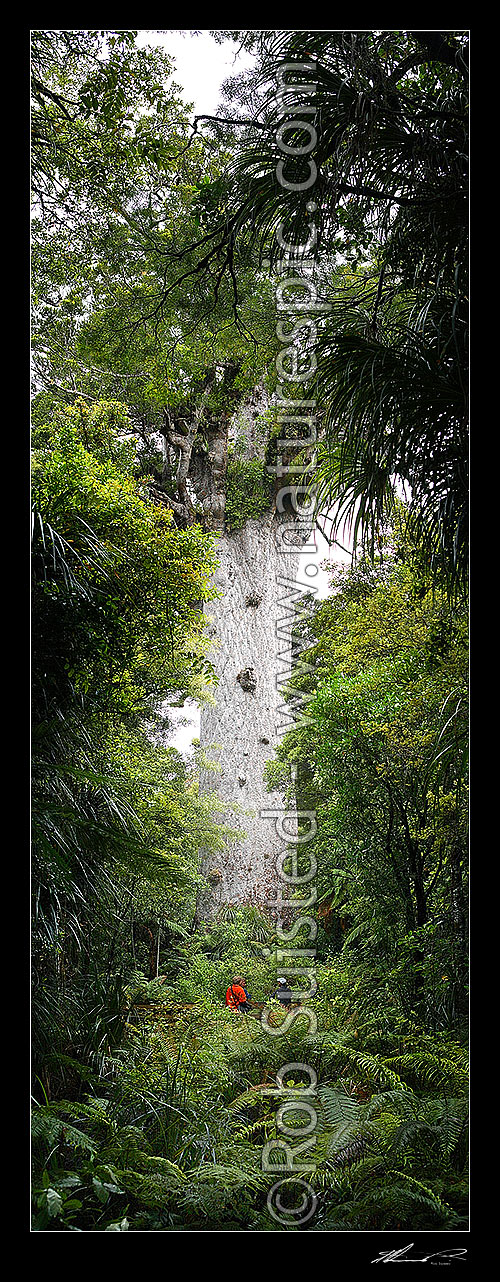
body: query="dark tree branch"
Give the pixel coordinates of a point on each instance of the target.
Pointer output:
(438, 49)
(222, 120)
(41, 92)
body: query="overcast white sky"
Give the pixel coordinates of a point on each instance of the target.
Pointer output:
(201, 64)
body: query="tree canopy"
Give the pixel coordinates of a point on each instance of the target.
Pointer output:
(390, 126)
(156, 261)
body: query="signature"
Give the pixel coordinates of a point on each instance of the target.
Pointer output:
(435, 1257)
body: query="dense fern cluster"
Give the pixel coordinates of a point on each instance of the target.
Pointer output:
(169, 1134)
(156, 1108)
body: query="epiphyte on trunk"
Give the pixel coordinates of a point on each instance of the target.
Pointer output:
(247, 680)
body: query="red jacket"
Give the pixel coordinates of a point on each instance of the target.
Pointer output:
(235, 994)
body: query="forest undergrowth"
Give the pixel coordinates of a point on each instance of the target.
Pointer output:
(164, 1130)
(158, 252)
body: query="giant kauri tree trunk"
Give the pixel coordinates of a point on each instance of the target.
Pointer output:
(240, 732)
(257, 566)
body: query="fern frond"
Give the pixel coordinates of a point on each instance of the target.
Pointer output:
(48, 1130)
(440, 1072)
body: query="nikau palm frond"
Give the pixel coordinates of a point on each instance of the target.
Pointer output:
(390, 184)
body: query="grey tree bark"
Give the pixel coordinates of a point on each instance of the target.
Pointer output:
(252, 662)
(255, 577)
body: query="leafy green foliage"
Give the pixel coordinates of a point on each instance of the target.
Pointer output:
(387, 177)
(177, 1124)
(152, 320)
(118, 631)
(248, 489)
(383, 674)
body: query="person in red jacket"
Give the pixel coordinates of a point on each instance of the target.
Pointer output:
(236, 997)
